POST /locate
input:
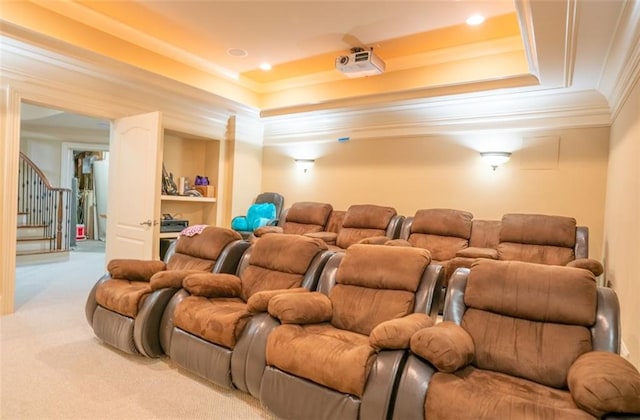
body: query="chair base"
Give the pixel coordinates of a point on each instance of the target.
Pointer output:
(291, 397)
(114, 329)
(201, 357)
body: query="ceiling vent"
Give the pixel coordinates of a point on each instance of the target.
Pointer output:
(360, 63)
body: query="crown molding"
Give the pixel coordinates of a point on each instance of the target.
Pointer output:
(622, 67)
(571, 42)
(56, 74)
(522, 111)
(525, 20)
(87, 16)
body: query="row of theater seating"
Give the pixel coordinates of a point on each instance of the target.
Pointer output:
(318, 334)
(453, 237)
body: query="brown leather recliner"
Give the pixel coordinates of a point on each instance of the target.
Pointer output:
(209, 326)
(125, 306)
(300, 218)
(483, 243)
(545, 239)
(443, 232)
(376, 224)
(338, 351)
(521, 341)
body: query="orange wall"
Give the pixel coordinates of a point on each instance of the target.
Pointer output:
(444, 171)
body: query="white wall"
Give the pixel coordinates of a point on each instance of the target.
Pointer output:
(622, 219)
(45, 154)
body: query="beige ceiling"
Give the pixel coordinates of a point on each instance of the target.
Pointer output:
(425, 44)
(286, 33)
(428, 49)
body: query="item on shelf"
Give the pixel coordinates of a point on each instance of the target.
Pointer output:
(168, 184)
(192, 193)
(202, 180)
(173, 225)
(206, 190)
(183, 185)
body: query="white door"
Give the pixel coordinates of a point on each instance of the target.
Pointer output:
(134, 187)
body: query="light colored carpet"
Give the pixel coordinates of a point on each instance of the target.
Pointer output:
(53, 366)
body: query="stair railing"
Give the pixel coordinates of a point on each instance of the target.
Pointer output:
(44, 205)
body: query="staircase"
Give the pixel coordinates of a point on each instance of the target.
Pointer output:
(32, 239)
(43, 223)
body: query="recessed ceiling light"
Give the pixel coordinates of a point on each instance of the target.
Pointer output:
(237, 52)
(265, 66)
(474, 20)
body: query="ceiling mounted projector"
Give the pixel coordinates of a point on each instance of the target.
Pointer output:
(360, 63)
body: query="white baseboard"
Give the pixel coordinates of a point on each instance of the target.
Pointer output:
(624, 351)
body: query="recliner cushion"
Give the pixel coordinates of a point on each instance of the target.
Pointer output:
(218, 320)
(349, 236)
(293, 228)
(442, 248)
(122, 296)
(473, 393)
(361, 309)
(375, 284)
(279, 262)
(539, 254)
(307, 217)
(201, 251)
(338, 359)
(443, 222)
(553, 294)
(539, 351)
(536, 229)
(535, 335)
(362, 221)
(368, 216)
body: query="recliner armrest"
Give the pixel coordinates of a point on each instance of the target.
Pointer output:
(259, 302)
(590, 264)
(263, 230)
(301, 308)
(134, 270)
(327, 237)
(374, 240)
(169, 278)
(447, 346)
(476, 252)
(213, 285)
(602, 382)
(396, 333)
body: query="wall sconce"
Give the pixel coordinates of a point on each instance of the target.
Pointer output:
(305, 164)
(495, 159)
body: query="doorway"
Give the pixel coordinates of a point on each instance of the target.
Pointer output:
(85, 169)
(64, 146)
(67, 146)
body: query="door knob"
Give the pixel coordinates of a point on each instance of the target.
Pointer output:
(148, 223)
